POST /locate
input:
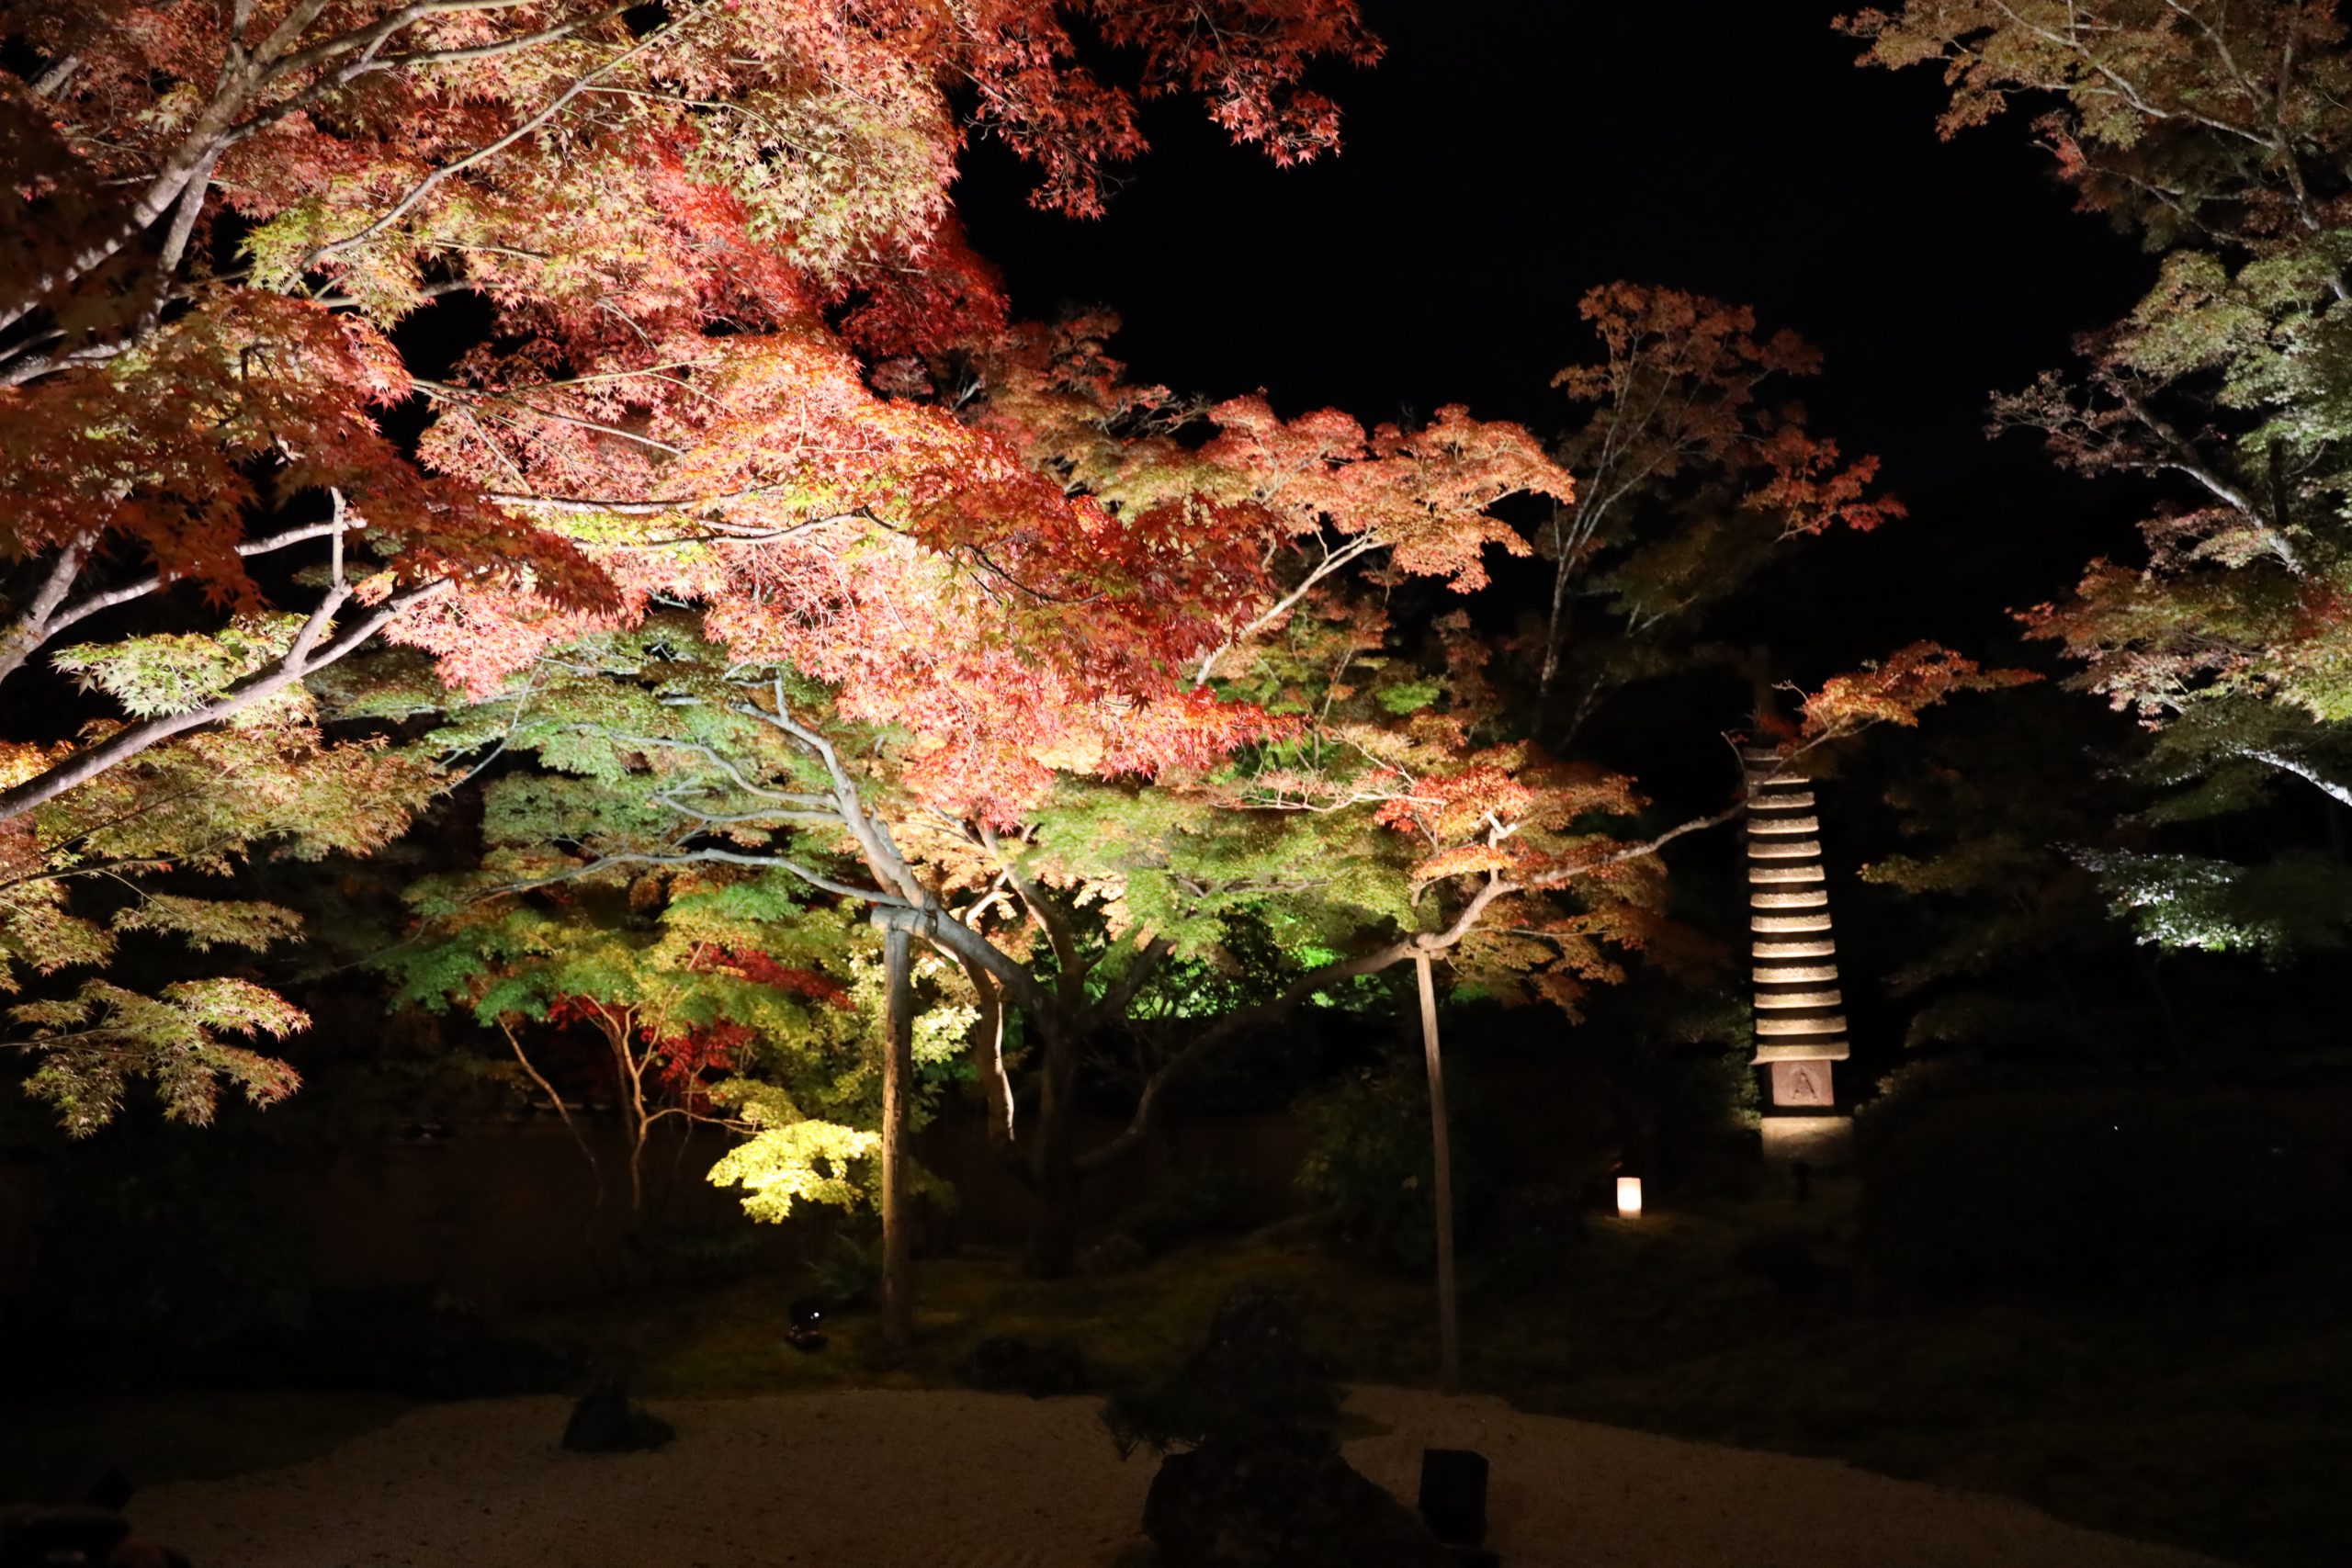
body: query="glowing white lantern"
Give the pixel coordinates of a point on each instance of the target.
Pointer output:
(1629, 1197)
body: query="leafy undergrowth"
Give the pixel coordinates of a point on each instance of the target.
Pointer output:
(1128, 1326)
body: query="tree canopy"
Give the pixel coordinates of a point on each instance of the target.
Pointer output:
(2216, 133)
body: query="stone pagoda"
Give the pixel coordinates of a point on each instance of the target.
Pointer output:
(1800, 1020)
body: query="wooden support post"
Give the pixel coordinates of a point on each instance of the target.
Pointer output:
(898, 1071)
(1449, 1328)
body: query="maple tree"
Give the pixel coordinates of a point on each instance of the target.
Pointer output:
(140, 851)
(716, 998)
(1076, 647)
(698, 238)
(1688, 478)
(1067, 743)
(2020, 923)
(2218, 133)
(216, 215)
(1346, 813)
(1060, 673)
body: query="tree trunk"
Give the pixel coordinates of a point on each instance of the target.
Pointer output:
(1448, 1328)
(1052, 1249)
(898, 1068)
(1554, 635)
(628, 1088)
(597, 1265)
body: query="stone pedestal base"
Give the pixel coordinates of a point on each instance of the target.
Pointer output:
(1823, 1141)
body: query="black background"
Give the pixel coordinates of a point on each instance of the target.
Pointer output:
(1505, 157)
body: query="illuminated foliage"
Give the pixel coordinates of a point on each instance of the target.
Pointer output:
(2219, 134)
(2005, 935)
(689, 230)
(1357, 836)
(2277, 910)
(1688, 479)
(124, 853)
(213, 217)
(710, 998)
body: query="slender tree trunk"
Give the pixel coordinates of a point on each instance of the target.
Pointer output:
(1449, 1328)
(1555, 638)
(898, 1069)
(598, 1263)
(1051, 1251)
(630, 1088)
(1052, 1248)
(636, 1176)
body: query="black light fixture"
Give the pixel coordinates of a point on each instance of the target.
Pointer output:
(1453, 1501)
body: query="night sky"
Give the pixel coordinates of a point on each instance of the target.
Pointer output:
(1506, 157)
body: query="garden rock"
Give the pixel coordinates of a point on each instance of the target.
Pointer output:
(1018, 1366)
(1279, 1497)
(37, 1538)
(112, 1489)
(1255, 1364)
(606, 1422)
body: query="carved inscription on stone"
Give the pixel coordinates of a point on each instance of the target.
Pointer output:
(1802, 1083)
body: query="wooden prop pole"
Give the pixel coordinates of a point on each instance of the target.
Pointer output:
(898, 1071)
(1449, 1328)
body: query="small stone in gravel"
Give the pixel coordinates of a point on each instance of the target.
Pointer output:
(605, 1422)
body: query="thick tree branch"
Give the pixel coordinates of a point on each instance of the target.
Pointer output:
(1140, 971)
(986, 1044)
(2340, 794)
(313, 650)
(35, 625)
(44, 619)
(1070, 982)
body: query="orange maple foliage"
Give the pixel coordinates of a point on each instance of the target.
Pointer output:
(702, 236)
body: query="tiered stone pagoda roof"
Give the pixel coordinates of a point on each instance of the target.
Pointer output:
(1798, 1016)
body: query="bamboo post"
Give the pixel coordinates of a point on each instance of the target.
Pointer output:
(1449, 1328)
(898, 1069)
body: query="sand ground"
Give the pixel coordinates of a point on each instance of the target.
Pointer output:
(886, 1479)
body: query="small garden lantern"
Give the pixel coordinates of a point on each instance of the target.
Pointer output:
(1629, 1197)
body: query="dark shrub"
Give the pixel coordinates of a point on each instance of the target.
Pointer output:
(848, 1273)
(1008, 1365)
(425, 1344)
(1252, 1371)
(1785, 1259)
(1371, 1169)
(699, 1256)
(2082, 1189)
(1114, 1254)
(1192, 1202)
(1537, 1228)
(162, 1243)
